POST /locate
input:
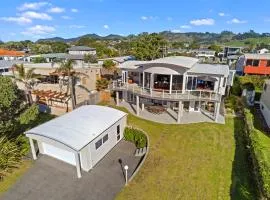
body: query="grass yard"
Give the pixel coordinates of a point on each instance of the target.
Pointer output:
(197, 161)
(14, 176)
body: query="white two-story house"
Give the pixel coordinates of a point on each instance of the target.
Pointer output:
(179, 83)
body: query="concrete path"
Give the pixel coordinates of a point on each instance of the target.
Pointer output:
(51, 179)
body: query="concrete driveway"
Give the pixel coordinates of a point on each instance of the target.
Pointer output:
(51, 179)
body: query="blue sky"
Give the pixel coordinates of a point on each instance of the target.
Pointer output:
(20, 20)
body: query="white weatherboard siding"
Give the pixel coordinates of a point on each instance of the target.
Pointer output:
(72, 137)
(98, 154)
(266, 113)
(59, 153)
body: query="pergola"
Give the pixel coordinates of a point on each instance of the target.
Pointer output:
(47, 96)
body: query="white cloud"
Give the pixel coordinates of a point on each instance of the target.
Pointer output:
(18, 20)
(66, 17)
(77, 26)
(169, 18)
(201, 22)
(144, 18)
(39, 30)
(32, 6)
(36, 15)
(185, 27)
(74, 10)
(221, 14)
(106, 26)
(56, 10)
(236, 21)
(176, 31)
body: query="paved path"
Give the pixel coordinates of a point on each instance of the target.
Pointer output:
(51, 179)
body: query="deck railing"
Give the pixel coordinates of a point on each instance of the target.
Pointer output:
(165, 94)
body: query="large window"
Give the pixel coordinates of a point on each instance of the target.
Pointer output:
(268, 63)
(249, 62)
(256, 63)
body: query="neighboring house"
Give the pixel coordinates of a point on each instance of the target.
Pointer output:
(6, 66)
(117, 60)
(257, 64)
(231, 60)
(11, 55)
(229, 51)
(204, 53)
(263, 51)
(81, 50)
(80, 138)
(174, 82)
(265, 102)
(89, 73)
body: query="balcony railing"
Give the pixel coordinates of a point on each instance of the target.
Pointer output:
(165, 94)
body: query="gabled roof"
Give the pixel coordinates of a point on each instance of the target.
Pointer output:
(79, 127)
(81, 48)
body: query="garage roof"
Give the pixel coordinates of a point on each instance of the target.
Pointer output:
(79, 127)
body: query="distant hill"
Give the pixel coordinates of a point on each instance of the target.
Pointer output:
(94, 36)
(225, 37)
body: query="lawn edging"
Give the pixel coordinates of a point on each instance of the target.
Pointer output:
(144, 157)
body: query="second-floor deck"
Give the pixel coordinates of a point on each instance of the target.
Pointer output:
(159, 94)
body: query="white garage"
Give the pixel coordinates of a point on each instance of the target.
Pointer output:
(80, 138)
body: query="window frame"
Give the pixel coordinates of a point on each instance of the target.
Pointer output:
(97, 145)
(105, 138)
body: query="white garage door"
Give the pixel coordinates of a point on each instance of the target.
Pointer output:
(58, 153)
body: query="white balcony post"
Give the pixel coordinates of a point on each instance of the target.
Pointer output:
(151, 92)
(78, 165)
(188, 93)
(171, 80)
(137, 105)
(210, 95)
(179, 112)
(143, 80)
(200, 94)
(162, 93)
(217, 108)
(34, 154)
(117, 98)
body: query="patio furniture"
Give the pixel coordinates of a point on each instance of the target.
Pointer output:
(155, 109)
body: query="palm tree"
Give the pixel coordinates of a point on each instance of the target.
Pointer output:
(66, 68)
(27, 77)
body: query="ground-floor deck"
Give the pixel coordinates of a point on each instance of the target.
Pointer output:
(170, 116)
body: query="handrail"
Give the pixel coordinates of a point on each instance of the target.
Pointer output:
(175, 94)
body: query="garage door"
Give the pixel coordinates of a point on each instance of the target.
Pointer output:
(58, 153)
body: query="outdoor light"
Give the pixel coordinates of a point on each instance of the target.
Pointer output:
(126, 168)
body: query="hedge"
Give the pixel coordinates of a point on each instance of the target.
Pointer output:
(135, 136)
(260, 153)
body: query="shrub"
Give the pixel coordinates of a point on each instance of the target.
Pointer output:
(10, 155)
(135, 136)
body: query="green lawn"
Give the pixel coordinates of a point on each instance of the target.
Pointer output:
(14, 176)
(197, 161)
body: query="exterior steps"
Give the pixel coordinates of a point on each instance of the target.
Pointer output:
(140, 152)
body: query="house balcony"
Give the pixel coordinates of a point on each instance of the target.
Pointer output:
(163, 94)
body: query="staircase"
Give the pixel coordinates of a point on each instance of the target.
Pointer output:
(140, 152)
